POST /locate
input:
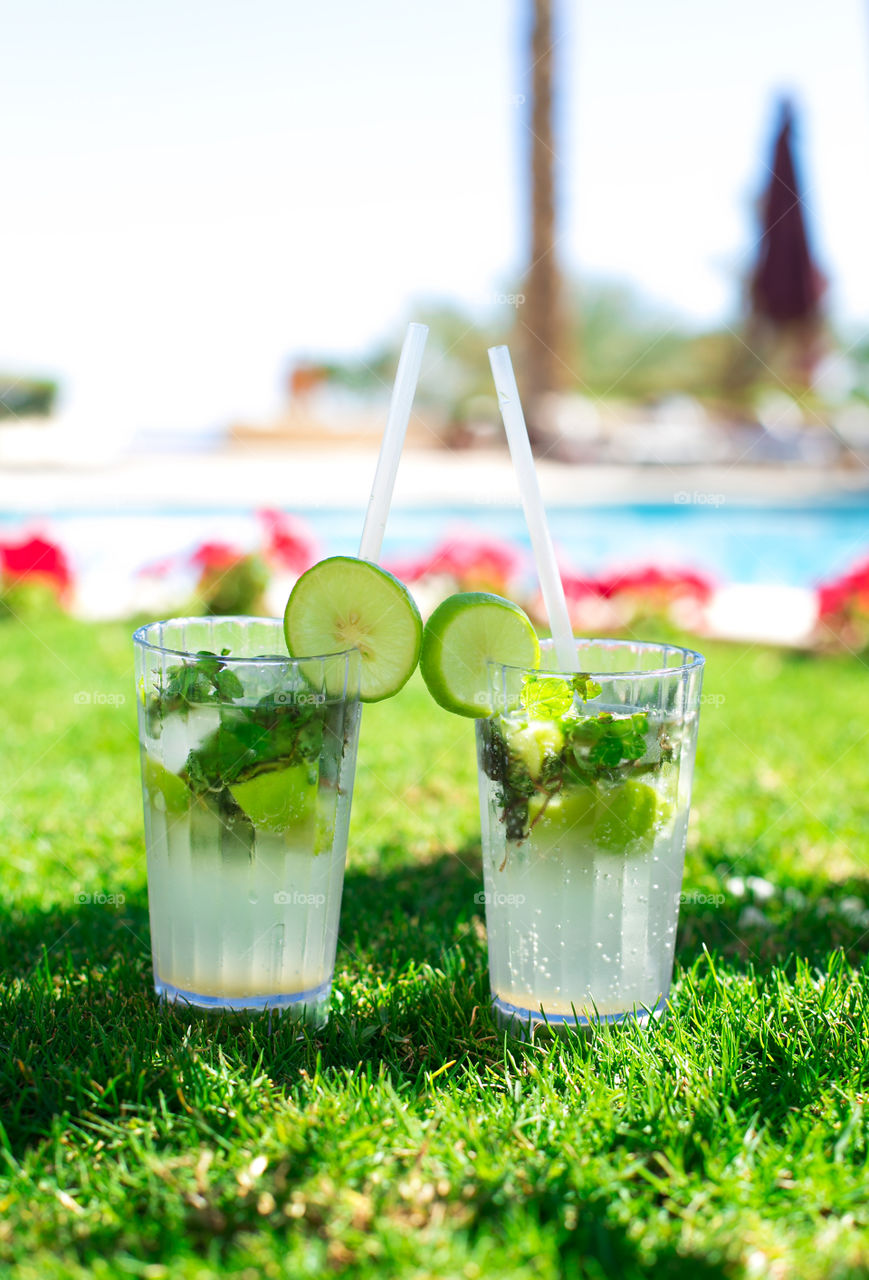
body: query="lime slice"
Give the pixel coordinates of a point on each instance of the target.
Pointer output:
(534, 744)
(461, 636)
(280, 799)
(626, 817)
(343, 603)
(566, 820)
(173, 793)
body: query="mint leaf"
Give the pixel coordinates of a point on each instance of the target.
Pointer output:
(251, 740)
(513, 782)
(585, 687)
(550, 697)
(634, 747)
(629, 725)
(606, 741)
(228, 685)
(545, 697)
(309, 740)
(608, 751)
(590, 730)
(207, 679)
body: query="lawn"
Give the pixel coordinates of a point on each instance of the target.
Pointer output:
(409, 1138)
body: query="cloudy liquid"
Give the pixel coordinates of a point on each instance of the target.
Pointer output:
(243, 917)
(577, 930)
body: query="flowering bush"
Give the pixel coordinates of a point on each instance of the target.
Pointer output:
(655, 585)
(34, 574)
(843, 610)
(231, 579)
(35, 558)
(611, 602)
(214, 557)
(466, 561)
(225, 578)
(289, 544)
(647, 596)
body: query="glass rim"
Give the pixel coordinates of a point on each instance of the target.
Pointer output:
(139, 638)
(692, 660)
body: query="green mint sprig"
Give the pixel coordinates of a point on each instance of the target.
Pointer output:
(603, 742)
(254, 740)
(550, 697)
(514, 784)
(206, 680)
(602, 747)
(280, 731)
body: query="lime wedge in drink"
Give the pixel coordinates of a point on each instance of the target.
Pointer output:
(534, 744)
(626, 816)
(169, 786)
(560, 818)
(279, 799)
(461, 636)
(343, 603)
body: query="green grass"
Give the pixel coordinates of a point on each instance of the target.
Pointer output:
(409, 1139)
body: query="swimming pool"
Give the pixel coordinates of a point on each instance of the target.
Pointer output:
(795, 545)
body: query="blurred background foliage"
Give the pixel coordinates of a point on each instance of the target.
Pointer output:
(620, 349)
(22, 397)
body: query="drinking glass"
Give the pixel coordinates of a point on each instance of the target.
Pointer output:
(248, 758)
(585, 787)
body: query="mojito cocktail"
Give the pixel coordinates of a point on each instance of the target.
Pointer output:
(585, 785)
(248, 758)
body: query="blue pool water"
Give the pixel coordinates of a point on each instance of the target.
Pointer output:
(796, 545)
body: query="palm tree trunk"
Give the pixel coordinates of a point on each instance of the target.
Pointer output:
(542, 315)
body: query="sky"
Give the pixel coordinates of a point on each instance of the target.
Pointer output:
(196, 193)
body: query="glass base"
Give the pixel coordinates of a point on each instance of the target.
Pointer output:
(525, 1024)
(311, 1006)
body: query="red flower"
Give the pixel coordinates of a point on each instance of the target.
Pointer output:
(578, 587)
(670, 583)
(36, 558)
(411, 570)
(847, 593)
(215, 555)
(158, 568)
(474, 561)
(289, 542)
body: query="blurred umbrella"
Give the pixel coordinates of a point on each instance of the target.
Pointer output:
(786, 286)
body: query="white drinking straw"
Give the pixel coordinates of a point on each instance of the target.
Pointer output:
(400, 405)
(532, 503)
